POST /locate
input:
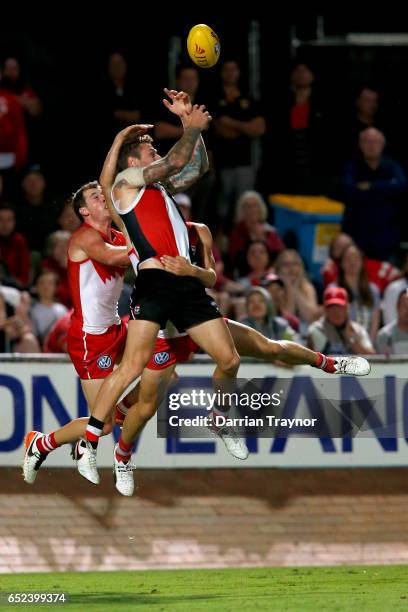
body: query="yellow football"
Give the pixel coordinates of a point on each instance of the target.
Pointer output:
(203, 46)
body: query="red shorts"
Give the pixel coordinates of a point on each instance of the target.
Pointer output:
(168, 351)
(92, 355)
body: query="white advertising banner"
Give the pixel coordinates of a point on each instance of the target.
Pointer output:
(44, 395)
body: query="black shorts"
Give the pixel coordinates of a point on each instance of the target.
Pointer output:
(160, 296)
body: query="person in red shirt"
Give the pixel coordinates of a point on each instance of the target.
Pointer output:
(381, 273)
(13, 137)
(57, 262)
(56, 340)
(15, 81)
(14, 250)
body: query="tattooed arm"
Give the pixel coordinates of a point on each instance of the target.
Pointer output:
(196, 167)
(181, 153)
(179, 103)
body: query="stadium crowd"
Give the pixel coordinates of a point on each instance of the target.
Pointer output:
(359, 304)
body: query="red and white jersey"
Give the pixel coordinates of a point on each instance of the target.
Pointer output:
(154, 224)
(95, 289)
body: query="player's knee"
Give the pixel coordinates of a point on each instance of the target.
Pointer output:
(230, 364)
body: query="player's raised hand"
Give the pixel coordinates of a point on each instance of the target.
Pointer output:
(198, 118)
(137, 129)
(180, 102)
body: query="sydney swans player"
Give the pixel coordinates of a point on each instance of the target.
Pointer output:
(97, 259)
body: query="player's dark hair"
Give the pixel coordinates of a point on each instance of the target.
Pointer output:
(130, 148)
(78, 200)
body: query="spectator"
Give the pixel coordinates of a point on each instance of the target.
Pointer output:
(46, 311)
(14, 250)
(258, 260)
(392, 293)
(168, 128)
(364, 297)
(373, 186)
(392, 339)
(56, 339)
(300, 295)
(15, 327)
(226, 292)
(261, 316)
(13, 139)
(67, 219)
(15, 82)
(335, 333)
(381, 273)
(36, 217)
(276, 288)
(237, 121)
(122, 103)
(330, 270)
(251, 224)
(57, 261)
(298, 145)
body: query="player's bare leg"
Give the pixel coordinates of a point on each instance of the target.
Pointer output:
(250, 343)
(38, 445)
(140, 342)
(141, 338)
(215, 339)
(151, 392)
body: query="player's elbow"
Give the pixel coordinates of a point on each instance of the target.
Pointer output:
(212, 279)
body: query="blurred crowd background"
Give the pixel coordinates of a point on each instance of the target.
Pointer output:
(292, 121)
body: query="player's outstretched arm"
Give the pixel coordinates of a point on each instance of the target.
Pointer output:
(108, 173)
(179, 104)
(180, 154)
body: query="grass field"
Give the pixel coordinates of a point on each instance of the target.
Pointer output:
(345, 588)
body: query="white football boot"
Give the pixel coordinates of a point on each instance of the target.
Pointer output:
(84, 456)
(235, 445)
(123, 475)
(352, 366)
(33, 458)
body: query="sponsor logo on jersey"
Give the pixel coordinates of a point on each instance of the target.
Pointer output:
(136, 310)
(161, 358)
(104, 362)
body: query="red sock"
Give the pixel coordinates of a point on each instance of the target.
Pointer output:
(46, 444)
(123, 451)
(327, 364)
(126, 402)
